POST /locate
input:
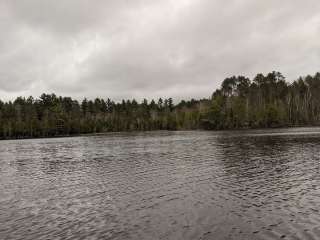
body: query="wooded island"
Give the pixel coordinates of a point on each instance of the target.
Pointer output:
(263, 102)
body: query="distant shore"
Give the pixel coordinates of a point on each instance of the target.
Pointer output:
(135, 131)
(266, 101)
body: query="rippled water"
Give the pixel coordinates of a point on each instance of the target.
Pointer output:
(163, 185)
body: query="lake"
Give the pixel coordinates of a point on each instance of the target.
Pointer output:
(253, 184)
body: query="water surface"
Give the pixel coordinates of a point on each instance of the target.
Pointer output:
(261, 184)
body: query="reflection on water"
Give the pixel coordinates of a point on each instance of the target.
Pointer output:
(163, 185)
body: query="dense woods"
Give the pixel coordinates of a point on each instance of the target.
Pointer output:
(265, 101)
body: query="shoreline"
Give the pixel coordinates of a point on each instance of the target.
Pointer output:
(135, 131)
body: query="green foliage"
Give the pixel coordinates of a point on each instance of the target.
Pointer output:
(266, 101)
(50, 115)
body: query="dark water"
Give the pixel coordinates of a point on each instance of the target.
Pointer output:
(163, 185)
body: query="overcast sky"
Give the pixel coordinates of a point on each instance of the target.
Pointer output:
(148, 48)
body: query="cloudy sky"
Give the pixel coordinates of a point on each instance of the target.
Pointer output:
(148, 48)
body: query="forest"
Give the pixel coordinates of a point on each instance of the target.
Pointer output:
(262, 102)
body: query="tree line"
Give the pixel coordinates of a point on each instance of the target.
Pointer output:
(265, 101)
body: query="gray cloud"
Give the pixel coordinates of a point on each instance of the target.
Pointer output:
(136, 48)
